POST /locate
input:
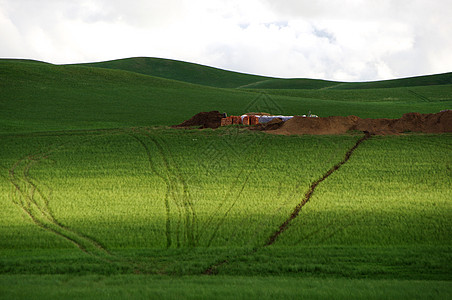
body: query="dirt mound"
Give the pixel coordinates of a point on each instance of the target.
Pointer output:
(211, 119)
(272, 125)
(329, 125)
(410, 122)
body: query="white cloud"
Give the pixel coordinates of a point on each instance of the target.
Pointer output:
(341, 40)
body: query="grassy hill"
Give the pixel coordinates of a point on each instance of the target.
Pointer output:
(38, 96)
(100, 199)
(428, 80)
(181, 71)
(209, 76)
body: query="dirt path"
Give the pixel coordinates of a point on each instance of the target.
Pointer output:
(311, 190)
(212, 269)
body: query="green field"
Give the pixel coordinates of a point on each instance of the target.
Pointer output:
(100, 198)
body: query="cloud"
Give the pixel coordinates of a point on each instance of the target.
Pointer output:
(380, 39)
(340, 40)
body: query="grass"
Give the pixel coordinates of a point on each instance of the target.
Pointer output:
(38, 97)
(195, 197)
(402, 95)
(181, 71)
(315, 84)
(179, 201)
(222, 287)
(100, 199)
(214, 77)
(401, 196)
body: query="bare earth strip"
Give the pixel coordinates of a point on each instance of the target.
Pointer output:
(310, 192)
(273, 237)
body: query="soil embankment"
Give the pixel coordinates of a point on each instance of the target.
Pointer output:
(211, 119)
(411, 122)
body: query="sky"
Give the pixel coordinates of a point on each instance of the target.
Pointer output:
(346, 40)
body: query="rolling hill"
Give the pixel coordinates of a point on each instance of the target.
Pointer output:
(99, 198)
(181, 71)
(428, 80)
(37, 96)
(210, 76)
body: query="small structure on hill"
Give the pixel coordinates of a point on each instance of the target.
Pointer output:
(258, 118)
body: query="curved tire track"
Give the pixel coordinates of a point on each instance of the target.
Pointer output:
(177, 190)
(35, 204)
(175, 173)
(168, 189)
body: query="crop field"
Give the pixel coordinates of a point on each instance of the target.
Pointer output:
(107, 201)
(165, 202)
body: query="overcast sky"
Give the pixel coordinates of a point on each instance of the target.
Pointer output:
(351, 40)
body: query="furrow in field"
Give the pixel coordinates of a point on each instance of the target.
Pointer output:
(311, 190)
(212, 269)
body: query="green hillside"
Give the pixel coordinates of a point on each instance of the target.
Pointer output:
(209, 76)
(295, 83)
(37, 96)
(179, 70)
(429, 80)
(100, 199)
(427, 94)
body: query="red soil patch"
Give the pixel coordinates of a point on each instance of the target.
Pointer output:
(211, 119)
(410, 122)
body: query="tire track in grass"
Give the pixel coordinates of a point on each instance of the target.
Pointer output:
(27, 194)
(173, 192)
(173, 169)
(283, 227)
(175, 180)
(45, 208)
(35, 203)
(248, 172)
(219, 210)
(168, 189)
(260, 226)
(419, 96)
(325, 230)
